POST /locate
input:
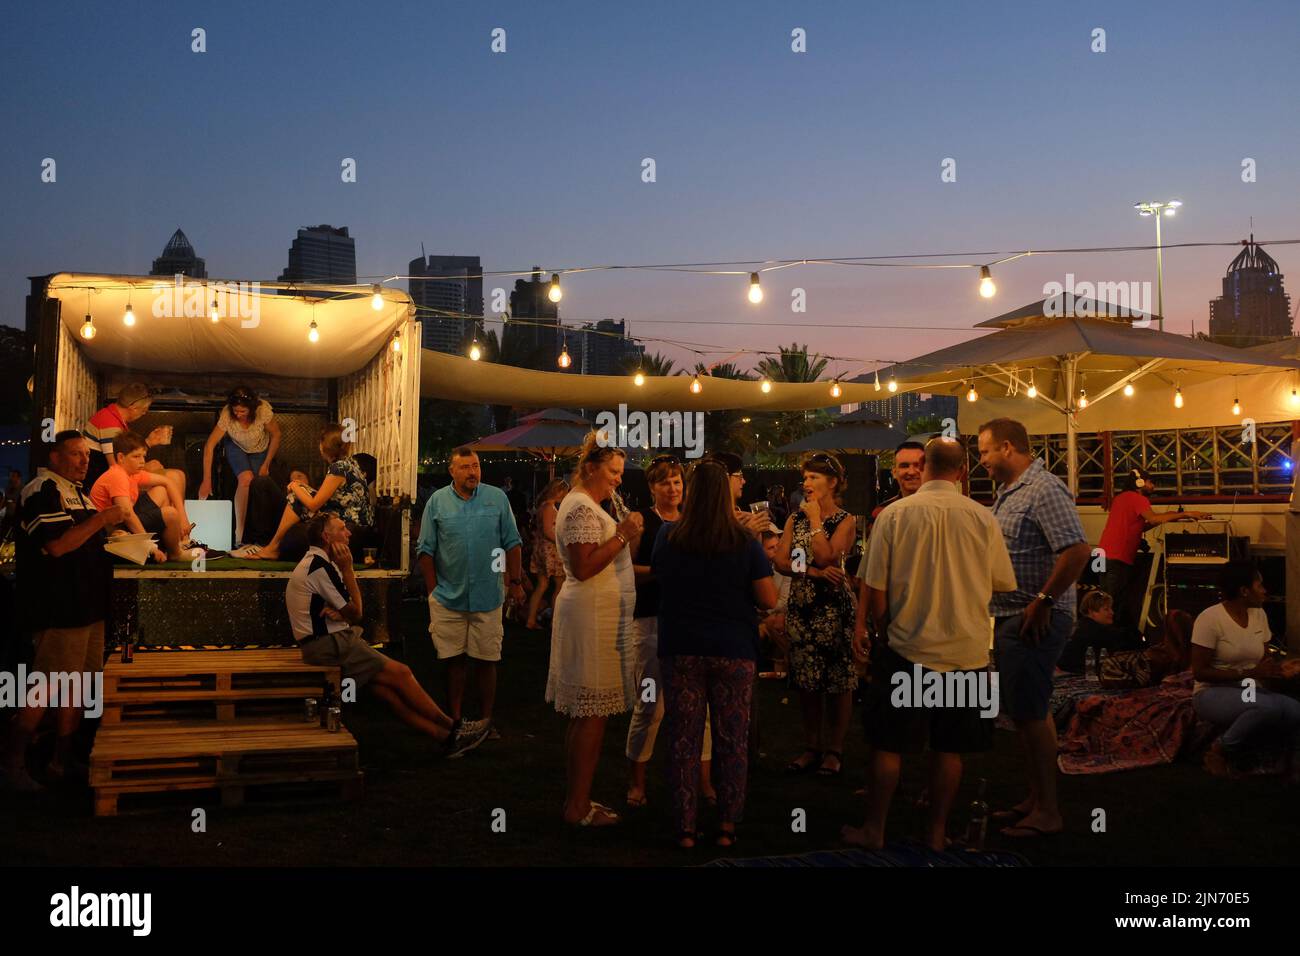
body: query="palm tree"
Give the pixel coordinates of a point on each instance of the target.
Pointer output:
(651, 363)
(792, 365)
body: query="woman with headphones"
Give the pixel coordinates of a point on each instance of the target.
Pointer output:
(1131, 516)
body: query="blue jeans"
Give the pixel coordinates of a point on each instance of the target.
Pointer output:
(1223, 706)
(240, 460)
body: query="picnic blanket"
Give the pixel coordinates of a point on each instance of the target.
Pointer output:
(1132, 728)
(1067, 691)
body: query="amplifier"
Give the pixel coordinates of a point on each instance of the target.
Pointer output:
(1209, 543)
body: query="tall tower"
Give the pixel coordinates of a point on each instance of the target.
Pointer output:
(178, 258)
(1254, 307)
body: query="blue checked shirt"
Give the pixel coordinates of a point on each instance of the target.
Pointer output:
(1039, 520)
(460, 536)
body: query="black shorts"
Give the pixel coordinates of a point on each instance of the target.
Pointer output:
(957, 726)
(150, 515)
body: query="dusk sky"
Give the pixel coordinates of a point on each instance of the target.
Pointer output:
(534, 156)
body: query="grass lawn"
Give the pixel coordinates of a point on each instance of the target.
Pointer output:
(421, 811)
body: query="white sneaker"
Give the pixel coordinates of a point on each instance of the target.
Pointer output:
(467, 735)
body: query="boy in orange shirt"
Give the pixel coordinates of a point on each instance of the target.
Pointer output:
(121, 485)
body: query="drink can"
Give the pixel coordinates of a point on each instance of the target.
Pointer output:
(309, 710)
(333, 722)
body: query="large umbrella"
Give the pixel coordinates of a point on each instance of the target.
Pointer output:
(549, 434)
(856, 433)
(1071, 366)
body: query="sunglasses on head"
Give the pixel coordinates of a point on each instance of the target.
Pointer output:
(664, 460)
(826, 459)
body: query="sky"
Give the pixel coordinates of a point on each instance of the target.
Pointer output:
(535, 156)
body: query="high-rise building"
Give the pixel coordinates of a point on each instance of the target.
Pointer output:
(178, 258)
(536, 340)
(605, 347)
(455, 284)
(904, 407)
(1254, 307)
(322, 254)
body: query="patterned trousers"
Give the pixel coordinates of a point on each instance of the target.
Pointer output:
(724, 686)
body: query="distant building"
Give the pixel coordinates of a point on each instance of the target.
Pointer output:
(458, 288)
(605, 347)
(904, 407)
(322, 254)
(536, 341)
(1254, 307)
(178, 258)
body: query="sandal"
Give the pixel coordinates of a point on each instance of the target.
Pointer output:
(794, 766)
(588, 822)
(825, 771)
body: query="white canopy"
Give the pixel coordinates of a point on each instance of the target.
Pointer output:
(261, 329)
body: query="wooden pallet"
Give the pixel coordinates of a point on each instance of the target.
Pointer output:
(170, 687)
(233, 758)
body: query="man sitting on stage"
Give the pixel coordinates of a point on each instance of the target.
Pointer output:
(324, 603)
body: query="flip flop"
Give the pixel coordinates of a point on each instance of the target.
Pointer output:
(1009, 815)
(794, 766)
(1031, 832)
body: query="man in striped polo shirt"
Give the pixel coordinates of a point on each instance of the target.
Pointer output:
(325, 611)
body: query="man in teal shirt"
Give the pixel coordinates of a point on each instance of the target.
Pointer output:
(468, 537)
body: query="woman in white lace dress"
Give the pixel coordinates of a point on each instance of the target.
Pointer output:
(592, 669)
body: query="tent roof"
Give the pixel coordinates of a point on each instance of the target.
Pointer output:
(551, 437)
(554, 415)
(272, 340)
(1039, 312)
(852, 436)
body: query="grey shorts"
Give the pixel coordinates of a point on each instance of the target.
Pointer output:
(346, 650)
(1025, 670)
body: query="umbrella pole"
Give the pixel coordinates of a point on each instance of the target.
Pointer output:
(1071, 429)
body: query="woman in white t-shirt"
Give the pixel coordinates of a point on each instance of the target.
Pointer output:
(251, 435)
(1228, 646)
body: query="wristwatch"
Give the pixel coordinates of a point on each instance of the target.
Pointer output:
(1045, 598)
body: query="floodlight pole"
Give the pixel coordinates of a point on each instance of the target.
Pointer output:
(1160, 281)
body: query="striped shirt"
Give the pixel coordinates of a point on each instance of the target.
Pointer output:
(315, 584)
(105, 425)
(1039, 520)
(68, 591)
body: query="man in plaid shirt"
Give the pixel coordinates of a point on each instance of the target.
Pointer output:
(1048, 552)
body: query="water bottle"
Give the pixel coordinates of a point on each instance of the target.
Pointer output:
(979, 819)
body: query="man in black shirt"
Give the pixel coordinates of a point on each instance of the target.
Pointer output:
(64, 576)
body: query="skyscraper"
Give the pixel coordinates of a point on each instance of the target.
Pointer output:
(1254, 307)
(458, 288)
(178, 258)
(536, 341)
(606, 347)
(322, 254)
(904, 407)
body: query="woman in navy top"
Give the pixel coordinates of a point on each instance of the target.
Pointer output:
(711, 573)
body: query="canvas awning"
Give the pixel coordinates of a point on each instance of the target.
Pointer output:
(262, 329)
(857, 433)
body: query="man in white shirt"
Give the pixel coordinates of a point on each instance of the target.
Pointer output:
(325, 611)
(935, 558)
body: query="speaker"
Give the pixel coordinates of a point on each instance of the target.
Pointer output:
(860, 495)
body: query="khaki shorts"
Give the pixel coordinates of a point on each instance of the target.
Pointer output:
(346, 650)
(476, 633)
(70, 649)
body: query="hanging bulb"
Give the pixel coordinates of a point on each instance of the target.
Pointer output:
(639, 378)
(88, 328)
(987, 288)
(972, 395)
(475, 353)
(877, 380)
(696, 387)
(893, 384)
(214, 313)
(313, 333)
(397, 341)
(836, 391)
(377, 299)
(755, 290)
(1032, 391)
(1083, 398)
(1128, 390)
(1178, 397)
(128, 317)
(1295, 399)
(1236, 406)
(554, 293)
(564, 361)
(766, 385)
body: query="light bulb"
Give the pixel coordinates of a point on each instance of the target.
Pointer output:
(555, 293)
(987, 287)
(893, 384)
(128, 317)
(377, 299)
(88, 328)
(766, 386)
(696, 387)
(1083, 398)
(313, 333)
(1236, 407)
(836, 391)
(972, 395)
(755, 290)
(639, 378)
(214, 313)
(564, 360)
(1033, 389)
(475, 353)
(397, 342)
(1170, 210)
(1128, 390)
(1295, 399)
(1178, 398)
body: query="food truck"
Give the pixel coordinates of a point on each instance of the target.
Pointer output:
(317, 353)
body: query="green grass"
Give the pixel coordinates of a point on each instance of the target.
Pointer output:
(421, 811)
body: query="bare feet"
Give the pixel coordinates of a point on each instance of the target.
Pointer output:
(861, 837)
(635, 797)
(1035, 824)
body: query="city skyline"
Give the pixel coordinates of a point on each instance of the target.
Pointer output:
(832, 152)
